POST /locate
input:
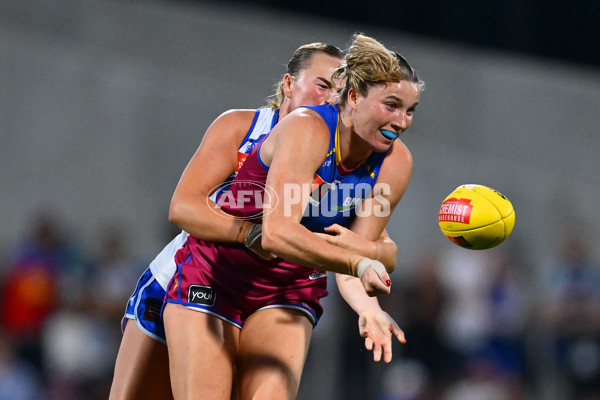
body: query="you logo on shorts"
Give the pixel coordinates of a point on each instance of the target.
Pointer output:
(204, 295)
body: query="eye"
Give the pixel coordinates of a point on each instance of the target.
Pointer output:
(391, 106)
(322, 86)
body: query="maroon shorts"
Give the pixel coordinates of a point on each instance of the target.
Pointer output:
(230, 282)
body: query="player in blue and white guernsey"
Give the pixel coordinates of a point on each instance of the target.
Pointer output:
(143, 355)
(252, 318)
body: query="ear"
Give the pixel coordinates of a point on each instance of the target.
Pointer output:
(287, 85)
(352, 98)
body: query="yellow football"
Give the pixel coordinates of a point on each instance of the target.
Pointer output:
(476, 217)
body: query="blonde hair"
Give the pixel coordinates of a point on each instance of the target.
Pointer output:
(368, 62)
(299, 62)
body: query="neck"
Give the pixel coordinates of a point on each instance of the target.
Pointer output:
(284, 109)
(353, 149)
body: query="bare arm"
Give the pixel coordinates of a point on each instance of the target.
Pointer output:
(214, 161)
(294, 151)
(383, 249)
(374, 324)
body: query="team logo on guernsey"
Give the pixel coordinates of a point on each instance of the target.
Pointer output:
(204, 295)
(456, 210)
(320, 188)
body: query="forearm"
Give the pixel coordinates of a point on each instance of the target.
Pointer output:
(207, 224)
(354, 294)
(294, 243)
(383, 249)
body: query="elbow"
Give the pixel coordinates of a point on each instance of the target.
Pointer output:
(390, 265)
(176, 214)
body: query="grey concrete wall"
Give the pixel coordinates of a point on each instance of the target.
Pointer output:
(103, 103)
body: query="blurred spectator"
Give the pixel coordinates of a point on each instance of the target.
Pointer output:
(465, 321)
(422, 300)
(404, 380)
(18, 379)
(81, 341)
(571, 314)
(508, 310)
(30, 285)
(484, 320)
(479, 383)
(115, 273)
(79, 355)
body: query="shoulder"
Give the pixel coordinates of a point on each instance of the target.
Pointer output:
(399, 155)
(231, 126)
(236, 117)
(304, 121)
(397, 165)
(299, 136)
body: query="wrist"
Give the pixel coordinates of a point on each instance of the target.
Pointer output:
(365, 263)
(242, 232)
(254, 234)
(376, 250)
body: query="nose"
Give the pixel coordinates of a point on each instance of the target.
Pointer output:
(401, 122)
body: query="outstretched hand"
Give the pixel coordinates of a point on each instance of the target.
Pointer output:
(378, 328)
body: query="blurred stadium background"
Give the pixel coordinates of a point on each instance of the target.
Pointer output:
(103, 103)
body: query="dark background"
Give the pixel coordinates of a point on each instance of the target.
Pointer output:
(561, 30)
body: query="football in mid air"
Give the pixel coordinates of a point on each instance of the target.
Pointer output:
(476, 217)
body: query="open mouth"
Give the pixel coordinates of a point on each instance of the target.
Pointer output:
(389, 134)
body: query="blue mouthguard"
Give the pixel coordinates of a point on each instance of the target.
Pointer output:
(389, 134)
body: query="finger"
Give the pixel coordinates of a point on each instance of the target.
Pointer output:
(373, 284)
(377, 290)
(377, 353)
(369, 344)
(374, 291)
(385, 278)
(387, 353)
(335, 228)
(399, 333)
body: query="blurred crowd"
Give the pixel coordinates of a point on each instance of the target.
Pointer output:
(60, 311)
(480, 325)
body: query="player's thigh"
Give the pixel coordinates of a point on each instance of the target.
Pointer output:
(273, 347)
(141, 359)
(202, 349)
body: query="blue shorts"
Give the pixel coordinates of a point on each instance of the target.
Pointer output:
(145, 305)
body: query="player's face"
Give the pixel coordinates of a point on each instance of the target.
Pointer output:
(386, 112)
(313, 85)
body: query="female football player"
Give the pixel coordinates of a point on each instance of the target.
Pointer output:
(231, 314)
(141, 370)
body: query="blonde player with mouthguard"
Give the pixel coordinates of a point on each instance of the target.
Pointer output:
(143, 357)
(252, 319)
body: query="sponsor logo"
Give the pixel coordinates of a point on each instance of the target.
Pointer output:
(456, 210)
(152, 309)
(201, 295)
